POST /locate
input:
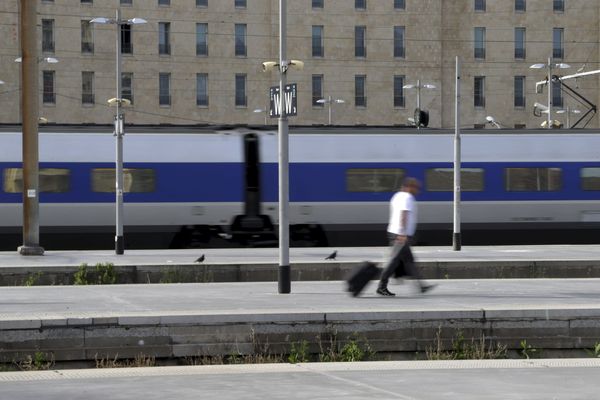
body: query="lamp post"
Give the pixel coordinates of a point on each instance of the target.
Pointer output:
(329, 101)
(550, 66)
(119, 122)
(419, 86)
(260, 110)
(568, 111)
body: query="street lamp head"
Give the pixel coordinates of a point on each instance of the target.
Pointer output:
(490, 119)
(562, 66)
(50, 60)
(268, 66)
(297, 64)
(18, 59)
(136, 21)
(258, 110)
(409, 86)
(322, 101)
(122, 102)
(102, 20)
(340, 101)
(538, 66)
(1, 82)
(43, 120)
(429, 86)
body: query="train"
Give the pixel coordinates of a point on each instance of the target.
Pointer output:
(217, 186)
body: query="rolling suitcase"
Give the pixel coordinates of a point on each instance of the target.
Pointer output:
(360, 277)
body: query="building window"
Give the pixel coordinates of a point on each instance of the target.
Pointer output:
(360, 46)
(399, 42)
(202, 39)
(86, 1)
(360, 4)
(201, 3)
(520, 43)
(126, 40)
(135, 180)
(557, 97)
(164, 38)
(317, 90)
(360, 98)
(559, 5)
(520, 5)
(374, 180)
(49, 96)
(240, 3)
(532, 179)
(126, 2)
(479, 91)
(202, 90)
(442, 179)
(317, 41)
(399, 91)
(479, 43)
(519, 91)
(127, 86)
(240, 40)
(48, 35)
(558, 43)
(590, 178)
(51, 180)
(164, 89)
(87, 87)
(317, 3)
(240, 90)
(164, 2)
(87, 37)
(399, 4)
(479, 5)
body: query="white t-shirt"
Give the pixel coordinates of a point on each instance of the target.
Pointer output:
(403, 201)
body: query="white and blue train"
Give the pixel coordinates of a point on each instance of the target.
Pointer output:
(192, 186)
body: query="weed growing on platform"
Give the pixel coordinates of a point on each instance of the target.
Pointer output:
(140, 360)
(32, 279)
(527, 351)
(595, 351)
(475, 349)
(353, 350)
(298, 352)
(39, 362)
(103, 274)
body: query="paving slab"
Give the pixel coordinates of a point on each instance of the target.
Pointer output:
(418, 380)
(308, 264)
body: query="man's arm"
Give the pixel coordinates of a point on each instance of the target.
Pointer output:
(403, 226)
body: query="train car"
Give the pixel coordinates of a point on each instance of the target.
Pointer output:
(218, 187)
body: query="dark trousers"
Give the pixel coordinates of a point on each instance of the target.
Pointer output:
(401, 257)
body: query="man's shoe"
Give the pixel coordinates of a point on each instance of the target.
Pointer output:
(427, 288)
(385, 292)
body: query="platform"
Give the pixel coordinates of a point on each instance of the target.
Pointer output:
(308, 264)
(179, 320)
(439, 380)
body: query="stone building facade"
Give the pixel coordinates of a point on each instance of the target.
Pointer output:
(199, 61)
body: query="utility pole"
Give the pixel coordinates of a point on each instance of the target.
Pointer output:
(549, 93)
(456, 239)
(284, 278)
(119, 239)
(29, 117)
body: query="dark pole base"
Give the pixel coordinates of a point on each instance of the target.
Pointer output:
(119, 245)
(456, 243)
(31, 250)
(285, 284)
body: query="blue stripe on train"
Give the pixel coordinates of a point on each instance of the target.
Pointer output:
(309, 182)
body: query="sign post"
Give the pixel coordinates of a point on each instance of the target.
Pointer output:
(289, 103)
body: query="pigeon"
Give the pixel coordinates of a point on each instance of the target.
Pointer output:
(200, 259)
(332, 256)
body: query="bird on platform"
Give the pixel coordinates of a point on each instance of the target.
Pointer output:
(200, 259)
(332, 256)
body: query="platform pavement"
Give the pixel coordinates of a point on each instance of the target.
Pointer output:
(570, 379)
(180, 320)
(260, 264)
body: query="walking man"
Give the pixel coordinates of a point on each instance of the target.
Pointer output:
(401, 229)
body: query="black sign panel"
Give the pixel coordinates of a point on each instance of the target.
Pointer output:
(290, 101)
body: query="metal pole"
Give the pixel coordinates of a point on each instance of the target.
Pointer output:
(568, 117)
(549, 93)
(119, 240)
(284, 232)
(419, 99)
(30, 115)
(329, 102)
(456, 239)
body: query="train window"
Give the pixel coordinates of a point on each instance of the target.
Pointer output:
(532, 179)
(374, 180)
(590, 178)
(135, 180)
(52, 180)
(442, 180)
